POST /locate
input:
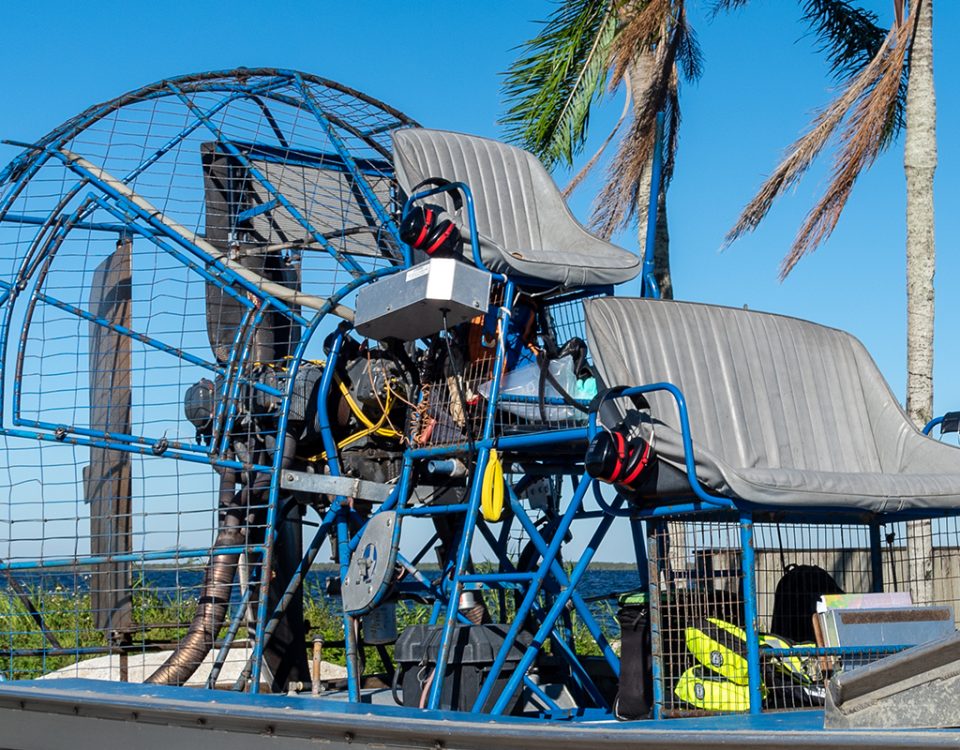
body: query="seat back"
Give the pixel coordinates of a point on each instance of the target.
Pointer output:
(524, 224)
(763, 391)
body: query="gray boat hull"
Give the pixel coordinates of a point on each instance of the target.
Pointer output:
(93, 715)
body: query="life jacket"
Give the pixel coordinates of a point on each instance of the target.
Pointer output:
(720, 647)
(708, 691)
(720, 680)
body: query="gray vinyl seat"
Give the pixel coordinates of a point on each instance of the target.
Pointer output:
(525, 227)
(782, 411)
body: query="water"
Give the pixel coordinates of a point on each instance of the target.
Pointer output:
(597, 582)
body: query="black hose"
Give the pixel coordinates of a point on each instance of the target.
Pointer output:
(215, 591)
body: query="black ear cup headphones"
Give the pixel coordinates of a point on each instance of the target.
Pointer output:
(423, 229)
(426, 226)
(622, 455)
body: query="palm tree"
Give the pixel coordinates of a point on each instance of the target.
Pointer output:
(893, 89)
(869, 111)
(584, 48)
(587, 47)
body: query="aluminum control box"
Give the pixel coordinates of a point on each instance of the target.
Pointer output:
(411, 304)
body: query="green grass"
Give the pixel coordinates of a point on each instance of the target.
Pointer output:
(67, 614)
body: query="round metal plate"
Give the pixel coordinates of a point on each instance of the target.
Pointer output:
(371, 565)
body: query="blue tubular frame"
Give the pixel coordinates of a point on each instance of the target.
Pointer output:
(501, 581)
(648, 281)
(751, 624)
(51, 228)
(339, 506)
(548, 595)
(386, 220)
(589, 621)
(533, 591)
(185, 242)
(466, 541)
(529, 655)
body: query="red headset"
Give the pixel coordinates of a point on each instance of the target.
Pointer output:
(425, 226)
(621, 455)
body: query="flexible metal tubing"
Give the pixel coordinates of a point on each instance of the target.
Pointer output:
(214, 592)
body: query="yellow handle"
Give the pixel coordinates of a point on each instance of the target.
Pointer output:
(491, 496)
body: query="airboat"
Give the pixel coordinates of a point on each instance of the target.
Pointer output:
(254, 321)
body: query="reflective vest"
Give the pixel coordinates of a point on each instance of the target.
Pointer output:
(704, 689)
(720, 680)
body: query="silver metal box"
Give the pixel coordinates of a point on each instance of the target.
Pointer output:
(410, 304)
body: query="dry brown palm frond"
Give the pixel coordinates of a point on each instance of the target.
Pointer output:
(805, 149)
(642, 29)
(860, 144)
(617, 202)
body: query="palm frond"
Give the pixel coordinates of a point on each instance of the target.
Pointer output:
(660, 35)
(805, 149)
(850, 38)
(861, 142)
(588, 167)
(689, 55)
(848, 35)
(671, 131)
(724, 6)
(641, 30)
(617, 202)
(551, 87)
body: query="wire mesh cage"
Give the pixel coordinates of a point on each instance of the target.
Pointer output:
(827, 597)
(452, 407)
(166, 257)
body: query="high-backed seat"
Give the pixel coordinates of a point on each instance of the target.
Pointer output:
(782, 411)
(525, 227)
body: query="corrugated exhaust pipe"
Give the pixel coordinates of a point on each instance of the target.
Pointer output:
(216, 590)
(214, 602)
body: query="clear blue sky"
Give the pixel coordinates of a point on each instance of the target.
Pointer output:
(440, 63)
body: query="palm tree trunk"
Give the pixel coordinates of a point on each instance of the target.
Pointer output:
(919, 163)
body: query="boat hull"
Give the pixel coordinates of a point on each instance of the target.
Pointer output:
(82, 714)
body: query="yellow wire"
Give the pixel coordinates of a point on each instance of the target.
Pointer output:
(371, 428)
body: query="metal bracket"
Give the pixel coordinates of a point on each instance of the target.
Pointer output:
(372, 564)
(324, 484)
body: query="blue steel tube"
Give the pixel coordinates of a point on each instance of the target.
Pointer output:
(470, 523)
(343, 512)
(361, 182)
(748, 567)
(577, 669)
(296, 581)
(282, 454)
(648, 281)
(654, 564)
(560, 574)
(526, 661)
(529, 599)
(228, 639)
